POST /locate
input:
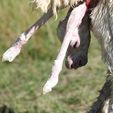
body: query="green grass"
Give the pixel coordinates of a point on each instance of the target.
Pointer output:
(21, 81)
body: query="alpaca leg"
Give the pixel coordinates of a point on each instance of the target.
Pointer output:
(73, 22)
(102, 102)
(110, 105)
(15, 48)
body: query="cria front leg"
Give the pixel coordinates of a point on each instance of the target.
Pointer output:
(71, 26)
(57, 67)
(53, 80)
(15, 49)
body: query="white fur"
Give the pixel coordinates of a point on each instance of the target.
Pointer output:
(14, 50)
(10, 54)
(71, 26)
(106, 106)
(44, 4)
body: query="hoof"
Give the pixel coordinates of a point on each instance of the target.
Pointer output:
(10, 54)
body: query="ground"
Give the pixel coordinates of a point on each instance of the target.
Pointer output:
(21, 81)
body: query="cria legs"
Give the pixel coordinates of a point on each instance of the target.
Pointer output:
(15, 49)
(76, 57)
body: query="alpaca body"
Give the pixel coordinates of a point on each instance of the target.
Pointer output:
(102, 27)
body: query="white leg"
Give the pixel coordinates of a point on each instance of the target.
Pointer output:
(15, 49)
(73, 23)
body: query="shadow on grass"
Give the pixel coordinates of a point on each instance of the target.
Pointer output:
(5, 109)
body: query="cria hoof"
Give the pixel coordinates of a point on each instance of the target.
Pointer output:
(52, 82)
(46, 89)
(10, 54)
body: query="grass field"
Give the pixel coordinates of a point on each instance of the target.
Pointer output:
(21, 81)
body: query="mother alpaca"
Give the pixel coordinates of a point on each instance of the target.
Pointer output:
(101, 24)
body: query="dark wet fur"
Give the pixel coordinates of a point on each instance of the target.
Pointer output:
(78, 55)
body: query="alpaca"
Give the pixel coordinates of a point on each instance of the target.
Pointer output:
(100, 22)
